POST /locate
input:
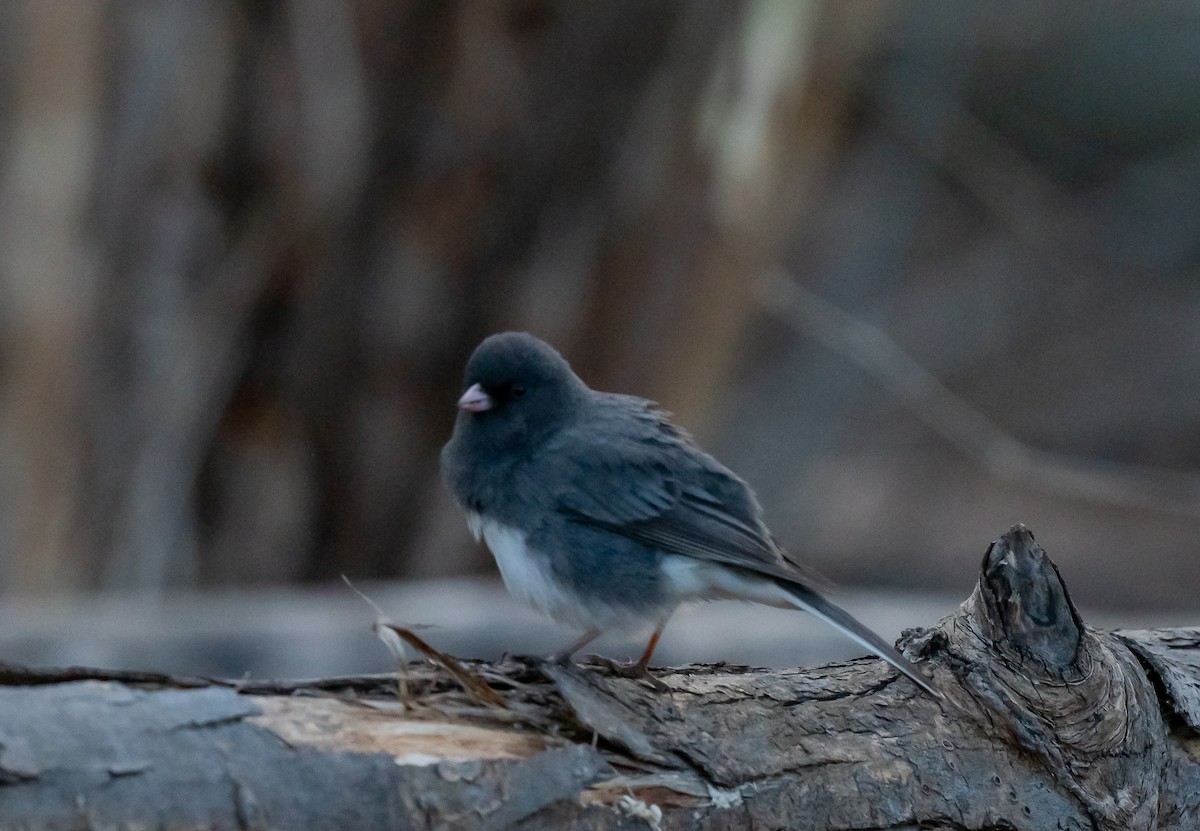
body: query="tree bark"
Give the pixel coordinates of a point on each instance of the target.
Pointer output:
(1045, 724)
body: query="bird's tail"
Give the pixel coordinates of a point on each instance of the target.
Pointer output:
(808, 600)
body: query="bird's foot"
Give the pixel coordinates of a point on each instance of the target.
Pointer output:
(632, 669)
(563, 656)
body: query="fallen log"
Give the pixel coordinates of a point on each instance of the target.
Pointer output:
(1046, 724)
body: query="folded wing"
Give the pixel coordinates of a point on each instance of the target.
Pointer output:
(634, 473)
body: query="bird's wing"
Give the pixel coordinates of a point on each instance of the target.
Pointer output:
(632, 472)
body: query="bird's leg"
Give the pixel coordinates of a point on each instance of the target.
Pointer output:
(640, 669)
(643, 663)
(562, 656)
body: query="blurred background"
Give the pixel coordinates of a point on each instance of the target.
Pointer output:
(917, 270)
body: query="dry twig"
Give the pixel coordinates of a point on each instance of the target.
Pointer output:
(966, 427)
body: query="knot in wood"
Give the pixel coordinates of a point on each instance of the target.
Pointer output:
(1077, 699)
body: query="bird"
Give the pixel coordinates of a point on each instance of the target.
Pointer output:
(604, 515)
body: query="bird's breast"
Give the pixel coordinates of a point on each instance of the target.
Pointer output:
(528, 574)
(531, 576)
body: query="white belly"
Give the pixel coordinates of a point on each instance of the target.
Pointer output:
(526, 572)
(690, 579)
(528, 577)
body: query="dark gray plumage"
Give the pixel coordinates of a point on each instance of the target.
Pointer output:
(603, 514)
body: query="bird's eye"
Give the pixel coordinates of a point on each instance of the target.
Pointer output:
(517, 390)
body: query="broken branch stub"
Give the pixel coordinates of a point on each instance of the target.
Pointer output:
(1077, 699)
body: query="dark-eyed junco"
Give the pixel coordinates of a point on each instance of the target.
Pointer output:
(603, 514)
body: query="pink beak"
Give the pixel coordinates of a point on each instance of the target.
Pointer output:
(475, 400)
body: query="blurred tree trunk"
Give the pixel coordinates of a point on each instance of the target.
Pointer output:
(47, 286)
(735, 165)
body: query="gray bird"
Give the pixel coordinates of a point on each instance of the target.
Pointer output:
(603, 514)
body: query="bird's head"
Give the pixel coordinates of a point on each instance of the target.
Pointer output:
(517, 389)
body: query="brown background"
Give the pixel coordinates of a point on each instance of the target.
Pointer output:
(245, 249)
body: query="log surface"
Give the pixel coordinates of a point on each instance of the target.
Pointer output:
(1046, 724)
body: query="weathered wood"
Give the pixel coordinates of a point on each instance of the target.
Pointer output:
(1046, 724)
